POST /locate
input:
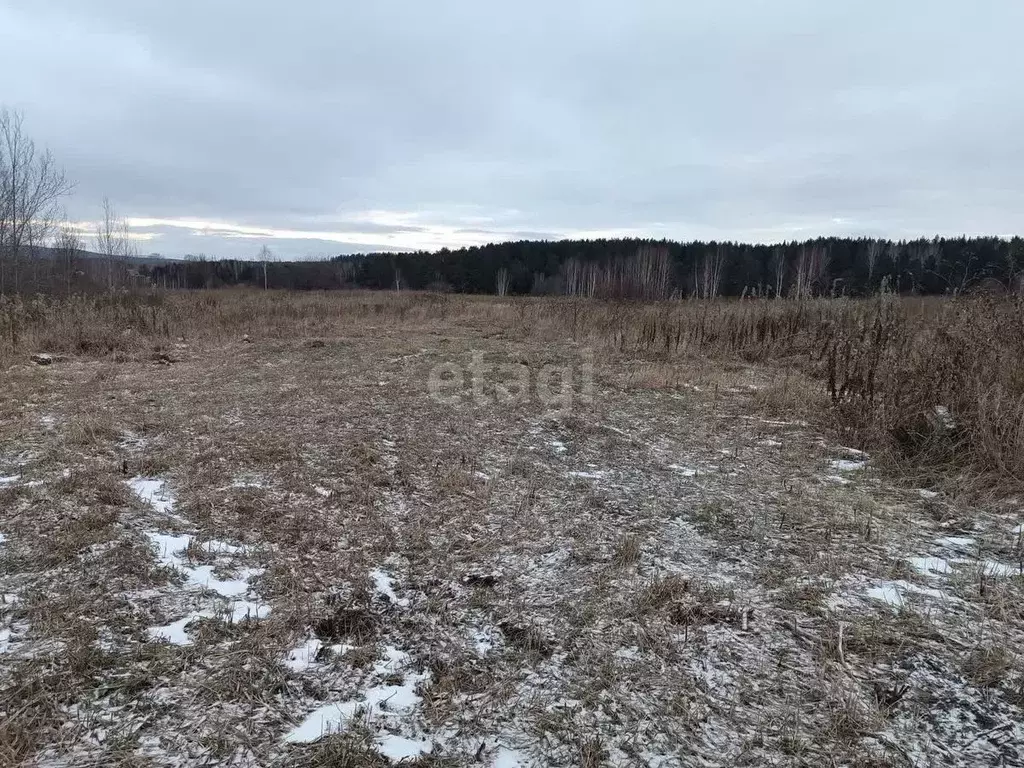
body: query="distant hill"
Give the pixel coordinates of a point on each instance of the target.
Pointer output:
(152, 260)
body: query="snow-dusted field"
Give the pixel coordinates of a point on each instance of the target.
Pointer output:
(283, 553)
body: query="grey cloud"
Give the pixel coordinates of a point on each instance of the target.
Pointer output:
(465, 121)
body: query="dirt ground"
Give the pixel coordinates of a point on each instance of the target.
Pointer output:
(329, 551)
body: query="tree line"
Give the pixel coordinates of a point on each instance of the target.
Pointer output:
(639, 268)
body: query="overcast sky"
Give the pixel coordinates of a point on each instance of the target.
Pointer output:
(328, 126)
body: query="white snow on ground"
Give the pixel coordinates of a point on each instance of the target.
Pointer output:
(941, 565)
(838, 479)
(684, 471)
(924, 493)
(510, 758)
(9, 479)
(596, 474)
(174, 633)
(996, 568)
(397, 748)
(170, 553)
(384, 585)
(153, 491)
(304, 656)
(558, 446)
(847, 465)
(929, 565)
(2, 538)
(892, 592)
(962, 543)
(388, 707)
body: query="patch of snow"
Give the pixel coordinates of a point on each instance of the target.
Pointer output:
(5, 640)
(593, 475)
(506, 758)
(153, 491)
(247, 609)
(384, 585)
(924, 493)
(892, 592)
(960, 543)
(9, 479)
(1002, 570)
(174, 633)
(558, 446)
(930, 565)
(944, 417)
(387, 705)
(167, 548)
(684, 471)
(1018, 529)
(202, 576)
(397, 748)
(321, 491)
(483, 641)
(838, 479)
(304, 656)
(846, 465)
(324, 721)
(3, 539)
(770, 443)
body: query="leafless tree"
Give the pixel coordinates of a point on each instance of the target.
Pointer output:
(812, 265)
(67, 249)
(708, 273)
(114, 242)
(779, 268)
(31, 186)
(265, 256)
(874, 250)
(501, 282)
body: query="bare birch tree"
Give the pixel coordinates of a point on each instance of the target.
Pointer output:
(873, 252)
(31, 186)
(501, 282)
(708, 273)
(779, 269)
(265, 256)
(114, 242)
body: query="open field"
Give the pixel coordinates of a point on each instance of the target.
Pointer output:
(510, 532)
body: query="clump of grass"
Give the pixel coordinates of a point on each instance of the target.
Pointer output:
(628, 550)
(988, 665)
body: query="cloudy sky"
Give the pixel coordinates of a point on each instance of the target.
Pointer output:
(328, 126)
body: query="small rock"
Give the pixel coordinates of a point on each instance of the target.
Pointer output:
(42, 359)
(246, 339)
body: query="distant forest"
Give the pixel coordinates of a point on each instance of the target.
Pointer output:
(641, 268)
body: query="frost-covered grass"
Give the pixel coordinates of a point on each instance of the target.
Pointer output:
(286, 553)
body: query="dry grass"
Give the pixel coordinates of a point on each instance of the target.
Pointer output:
(886, 363)
(670, 572)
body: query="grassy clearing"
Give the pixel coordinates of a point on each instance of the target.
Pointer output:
(276, 528)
